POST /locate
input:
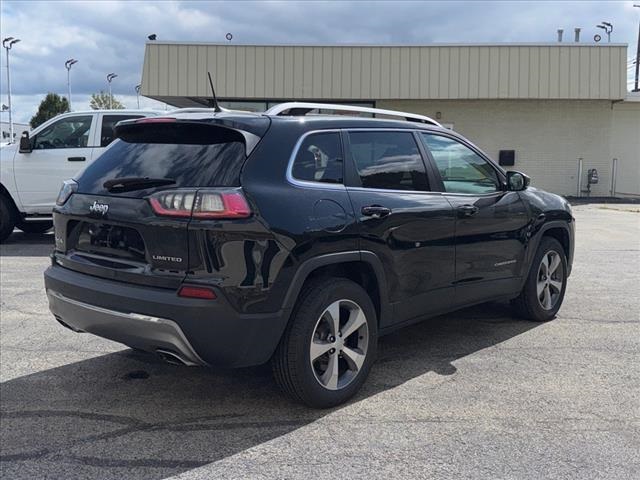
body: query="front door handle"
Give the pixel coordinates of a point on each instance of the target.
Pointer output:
(76, 159)
(376, 211)
(467, 210)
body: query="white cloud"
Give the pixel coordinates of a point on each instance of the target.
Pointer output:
(109, 36)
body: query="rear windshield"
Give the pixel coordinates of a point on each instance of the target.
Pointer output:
(192, 157)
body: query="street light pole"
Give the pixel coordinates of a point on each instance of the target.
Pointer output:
(608, 28)
(138, 94)
(110, 77)
(68, 64)
(7, 43)
(636, 89)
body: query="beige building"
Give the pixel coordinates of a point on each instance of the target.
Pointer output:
(562, 108)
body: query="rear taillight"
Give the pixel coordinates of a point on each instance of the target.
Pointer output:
(202, 204)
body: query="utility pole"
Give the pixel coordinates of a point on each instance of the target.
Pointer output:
(110, 77)
(636, 89)
(7, 43)
(138, 94)
(68, 64)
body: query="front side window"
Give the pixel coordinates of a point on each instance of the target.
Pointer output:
(107, 133)
(388, 160)
(71, 132)
(462, 170)
(319, 159)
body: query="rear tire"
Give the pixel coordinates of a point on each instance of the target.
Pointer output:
(543, 292)
(7, 218)
(36, 227)
(328, 348)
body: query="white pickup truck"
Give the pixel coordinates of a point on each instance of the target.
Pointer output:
(32, 171)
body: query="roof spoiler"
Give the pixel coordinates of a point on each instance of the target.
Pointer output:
(132, 131)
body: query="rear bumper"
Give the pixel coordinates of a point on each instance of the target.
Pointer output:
(197, 332)
(139, 331)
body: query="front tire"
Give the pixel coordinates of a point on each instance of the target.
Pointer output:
(36, 227)
(7, 219)
(543, 292)
(328, 348)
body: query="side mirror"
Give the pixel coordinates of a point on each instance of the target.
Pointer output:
(25, 143)
(517, 181)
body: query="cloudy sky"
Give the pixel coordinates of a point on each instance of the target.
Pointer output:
(109, 36)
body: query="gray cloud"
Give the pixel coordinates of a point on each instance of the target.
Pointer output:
(109, 36)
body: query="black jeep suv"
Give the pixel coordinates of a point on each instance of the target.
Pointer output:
(233, 239)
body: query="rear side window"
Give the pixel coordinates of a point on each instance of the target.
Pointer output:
(388, 160)
(191, 155)
(319, 159)
(107, 134)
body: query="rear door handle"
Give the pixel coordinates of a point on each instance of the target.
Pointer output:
(467, 210)
(375, 211)
(76, 159)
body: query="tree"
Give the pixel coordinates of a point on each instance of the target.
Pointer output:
(100, 101)
(52, 105)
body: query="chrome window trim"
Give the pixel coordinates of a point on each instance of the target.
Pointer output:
(306, 183)
(384, 190)
(490, 194)
(342, 186)
(497, 192)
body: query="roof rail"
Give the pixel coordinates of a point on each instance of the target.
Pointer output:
(195, 110)
(302, 108)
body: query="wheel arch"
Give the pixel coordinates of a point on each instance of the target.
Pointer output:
(362, 267)
(561, 231)
(5, 193)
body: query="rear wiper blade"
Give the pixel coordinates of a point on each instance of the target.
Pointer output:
(127, 184)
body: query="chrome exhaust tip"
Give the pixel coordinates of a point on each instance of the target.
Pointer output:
(172, 357)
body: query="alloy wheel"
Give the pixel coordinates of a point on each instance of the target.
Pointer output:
(550, 279)
(339, 344)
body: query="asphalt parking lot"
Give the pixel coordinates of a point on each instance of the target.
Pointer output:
(474, 394)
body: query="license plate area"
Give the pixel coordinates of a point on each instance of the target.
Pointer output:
(108, 240)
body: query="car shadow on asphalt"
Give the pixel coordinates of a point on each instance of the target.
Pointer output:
(127, 414)
(21, 244)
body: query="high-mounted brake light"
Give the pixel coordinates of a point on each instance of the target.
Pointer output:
(201, 204)
(190, 291)
(156, 120)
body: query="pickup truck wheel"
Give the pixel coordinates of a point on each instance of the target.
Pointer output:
(326, 352)
(35, 227)
(7, 219)
(544, 289)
